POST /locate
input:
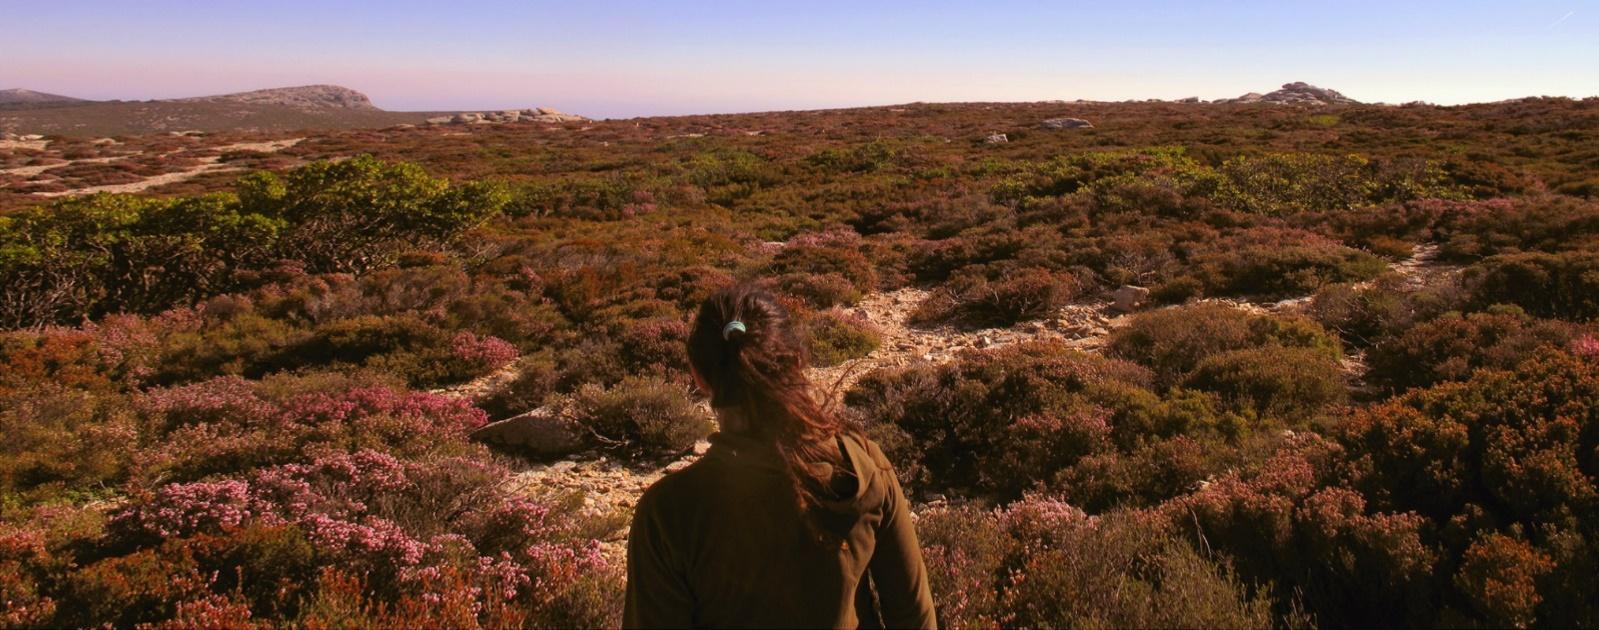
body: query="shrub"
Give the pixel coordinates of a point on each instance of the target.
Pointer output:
(996, 422)
(359, 214)
(825, 258)
(1564, 286)
(1451, 347)
(1366, 315)
(62, 440)
(1499, 574)
(1174, 341)
(820, 290)
(1279, 264)
(534, 382)
(1042, 563)
(836, 337)
(639, 416)
(1290, 384)
(1124, 570)
(997, 297)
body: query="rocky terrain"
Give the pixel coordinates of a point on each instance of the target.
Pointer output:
(538, 115)
(311, 97)
(1296, 93)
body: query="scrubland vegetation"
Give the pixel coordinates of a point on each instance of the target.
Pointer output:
(223, 404)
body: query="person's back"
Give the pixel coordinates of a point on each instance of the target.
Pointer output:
(800, 524)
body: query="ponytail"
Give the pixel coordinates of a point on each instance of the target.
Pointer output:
(745, 349)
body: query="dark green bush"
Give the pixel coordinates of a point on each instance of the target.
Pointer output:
(1174, 341)
(836, 337)
(1451, 347)
(1564, 285)
(998, 422)
(1001, 296)
(1290, 384)
(535, 381)
(639, 416)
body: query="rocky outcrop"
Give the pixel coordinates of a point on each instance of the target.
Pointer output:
(540, 115)
(997, 138)
(537, 434)
(305, 97)
(1067, 123)
(1296, 93)
(1129, 298)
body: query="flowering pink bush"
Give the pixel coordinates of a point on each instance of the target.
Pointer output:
(1586, 346)
(486, 353)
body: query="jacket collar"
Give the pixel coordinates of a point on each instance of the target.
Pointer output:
(743, 450)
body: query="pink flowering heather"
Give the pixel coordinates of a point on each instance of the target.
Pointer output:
(374, 539)
(229, 399)
(442, 411)
(1586, 346)
(484, 353)
(188, 508)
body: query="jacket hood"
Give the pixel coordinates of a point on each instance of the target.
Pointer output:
(857, 490)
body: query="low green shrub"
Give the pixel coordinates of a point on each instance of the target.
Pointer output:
(837, 336)
(1290, 384)
(639, 416)
(1172, 342)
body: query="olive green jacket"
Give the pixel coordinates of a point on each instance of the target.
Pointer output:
(721, 543)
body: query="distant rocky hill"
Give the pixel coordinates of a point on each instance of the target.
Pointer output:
(1296, 93)
(309, 107)
(302, 97)
(18, 98)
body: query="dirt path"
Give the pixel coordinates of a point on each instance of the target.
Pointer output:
(611, 487)
(209, 164)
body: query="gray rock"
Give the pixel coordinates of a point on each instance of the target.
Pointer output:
(1296, 93)
(1067, 123)
(997, 138)
(1129, 298)
(537, 434)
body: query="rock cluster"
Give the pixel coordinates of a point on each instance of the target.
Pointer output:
(1067, 123)
(539, 115)
(1296, 93)
(997, 138)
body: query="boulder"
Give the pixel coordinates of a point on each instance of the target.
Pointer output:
(1067, 123)
(1129, 298)
(997, 138)
(538, 434)
(440, 120)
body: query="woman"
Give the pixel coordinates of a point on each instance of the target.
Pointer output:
(791, 519)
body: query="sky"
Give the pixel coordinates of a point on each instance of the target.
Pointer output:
(610, 59)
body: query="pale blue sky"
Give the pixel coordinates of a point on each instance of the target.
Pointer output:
(613, 59)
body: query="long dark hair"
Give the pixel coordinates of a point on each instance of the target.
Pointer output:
(757, 369)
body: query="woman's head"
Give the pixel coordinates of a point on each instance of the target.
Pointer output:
(745, 349)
